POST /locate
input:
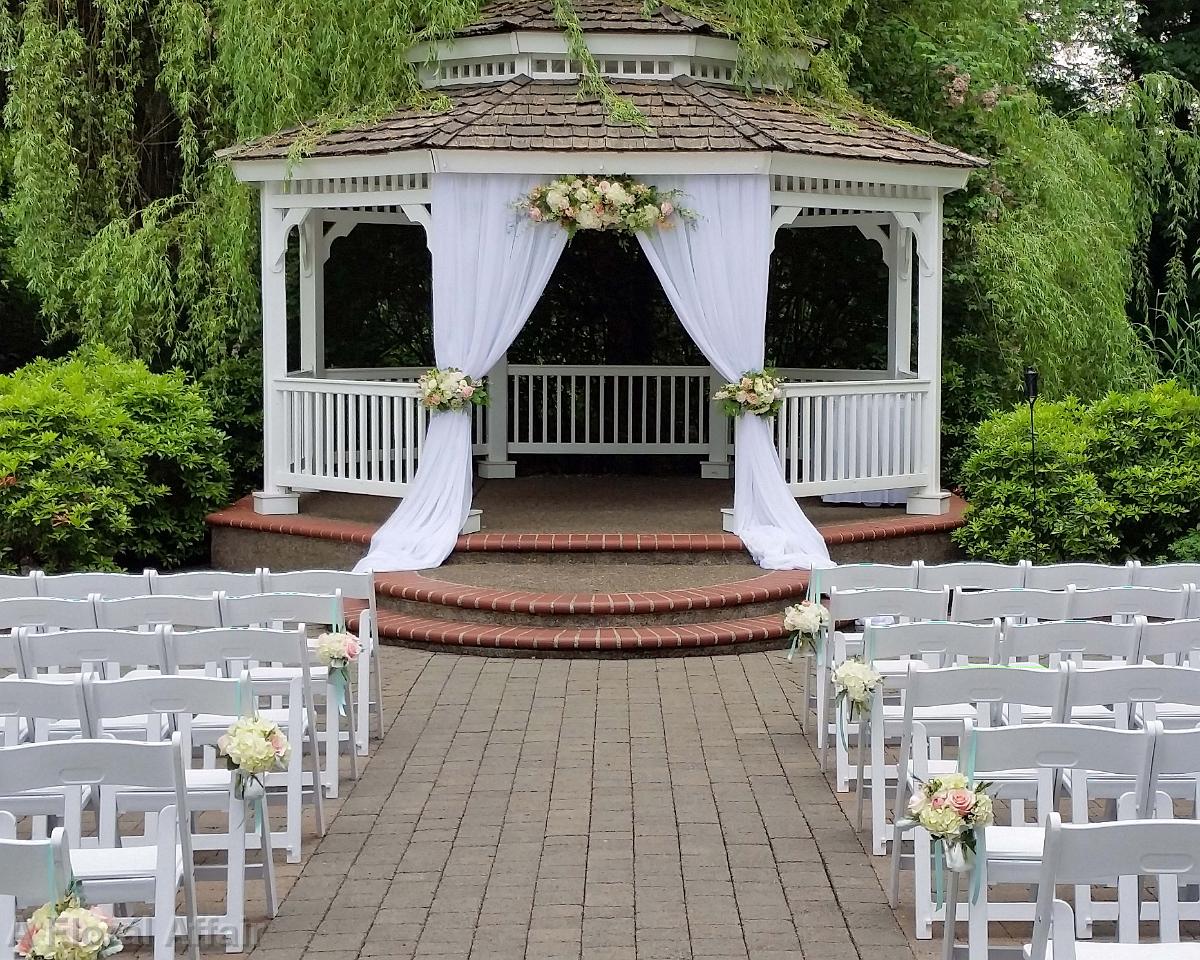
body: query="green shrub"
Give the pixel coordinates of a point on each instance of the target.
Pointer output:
(1186, 549)
(1119, 478)
(105, 465)
(233, 389)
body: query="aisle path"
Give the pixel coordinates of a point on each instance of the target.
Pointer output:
(603, 809)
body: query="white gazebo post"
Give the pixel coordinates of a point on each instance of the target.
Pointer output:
(313, 254)
(931, 499)
(276, 223)
(899, 260)
(717, 466)
(496, 465)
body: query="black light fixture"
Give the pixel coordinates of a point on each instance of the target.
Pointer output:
(1031, 395)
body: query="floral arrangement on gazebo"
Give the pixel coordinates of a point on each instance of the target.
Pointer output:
(618, 204)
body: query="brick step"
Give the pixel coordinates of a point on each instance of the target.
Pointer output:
(599, 548)
(426, 597)
(751, 633)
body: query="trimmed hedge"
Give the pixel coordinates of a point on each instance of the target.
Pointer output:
(1117, 479)
(105, 465)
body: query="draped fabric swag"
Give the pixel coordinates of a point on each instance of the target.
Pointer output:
(489, 269)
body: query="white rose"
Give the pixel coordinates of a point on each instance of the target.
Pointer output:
(916, 803)
(557, 200)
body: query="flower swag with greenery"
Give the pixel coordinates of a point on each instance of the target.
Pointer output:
(616, 204)
(451, 389)
(758, 391)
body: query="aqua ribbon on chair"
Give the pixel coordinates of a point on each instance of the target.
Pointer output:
(340, 678)
(980, 842)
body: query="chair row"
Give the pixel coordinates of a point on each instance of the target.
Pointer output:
(976, 575)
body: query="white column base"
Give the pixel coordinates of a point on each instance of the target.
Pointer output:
(929, 504)
(276, 504)
(498, 469)
(474, 522)
(727, 519)
(715, 470)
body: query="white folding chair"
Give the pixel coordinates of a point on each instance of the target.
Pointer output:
(28, 709)
(862, 576)
(1082, 576)
(180, 699)
(133, 874)
(1018, 603)
(150, 611)
(1174, 642)
(933, 644)
(971, 575)
(1106, 853)
(354, 586)
(13, 587)
(47, 613)
(848, 608)
(226, 652)
(80, 586)
(204, 583)
(1124, 603)
(32, 872)
(992, 691)
(1169, 575)
(1012, 854)
(325, 611)
(11, 663)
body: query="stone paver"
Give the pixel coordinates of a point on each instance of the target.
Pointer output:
(650, 809)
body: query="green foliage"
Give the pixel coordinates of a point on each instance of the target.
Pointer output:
(1186, 549)
(233, 389)
(104, 464)
(1118, 478)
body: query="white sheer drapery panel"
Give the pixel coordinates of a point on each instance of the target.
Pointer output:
(890, 410)
(715, 274)
(490, 266)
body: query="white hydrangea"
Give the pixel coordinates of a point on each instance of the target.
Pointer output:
(855, 680)
(806, 618)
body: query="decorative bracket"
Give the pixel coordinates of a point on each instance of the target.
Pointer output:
(873, 231)
(925, 236)
(418, 213)
(335, 231)
(279, 242)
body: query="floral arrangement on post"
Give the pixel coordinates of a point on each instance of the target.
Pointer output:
(855, 681)
(619, 204)
(758, 391)
(253, 747)
(806, 622)
(952, 810)
(337, 651)
(68, 930)
(451, 389)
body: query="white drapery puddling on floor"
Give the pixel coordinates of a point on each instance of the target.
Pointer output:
(490, 267)
(715, 273)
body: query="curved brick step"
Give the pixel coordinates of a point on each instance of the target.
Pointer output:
(426, 597)
(420, 631)
(599, 548)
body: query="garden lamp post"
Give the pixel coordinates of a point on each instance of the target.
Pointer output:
(1031, 395)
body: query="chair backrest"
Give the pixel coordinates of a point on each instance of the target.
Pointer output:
(1052, 641)
(1137, 685)
(1176, 754)
(1169, 575)
(1059, 747)
(1016, 603)
(1082, 576)
(1101, 853)
(32, 871)
(911, 604)
(97, 763)
(13, 587)
(47, 613)
(1157, 602)
(267, 609)
(10, 655)
(228, 647)
(984, 686)
(861, 576)
(939, 643)
(1174, 641)
(354, 586)
(204, 583)
(971, 575)
(39, 702)
(99, 651)
(80, 586)
(180, 698)
(149, 611)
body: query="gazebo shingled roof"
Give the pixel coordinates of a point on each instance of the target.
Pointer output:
(685, 114)
(504, 16)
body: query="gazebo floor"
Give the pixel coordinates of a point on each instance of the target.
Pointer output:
(570, 565)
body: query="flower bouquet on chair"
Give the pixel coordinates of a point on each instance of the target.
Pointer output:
(953, 810)
(337, 651)
(806, 623)
(253, 747)
(67, 930)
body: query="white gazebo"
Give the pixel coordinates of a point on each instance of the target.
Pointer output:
(516, 118)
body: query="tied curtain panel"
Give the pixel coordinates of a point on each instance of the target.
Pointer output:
(489, 270)
(715, 273)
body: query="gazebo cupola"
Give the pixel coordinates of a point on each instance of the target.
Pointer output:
(513, 112)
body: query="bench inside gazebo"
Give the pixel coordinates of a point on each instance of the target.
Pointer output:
(516, 111)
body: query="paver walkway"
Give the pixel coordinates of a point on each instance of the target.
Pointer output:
(604, 809)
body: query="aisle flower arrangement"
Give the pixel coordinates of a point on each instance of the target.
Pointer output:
(805, 622)
(952, 810)
(759, 392)
(338, 650)
(451, 389)
(68, 930)
(855, 681)
(253, 747)
(617, 204)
